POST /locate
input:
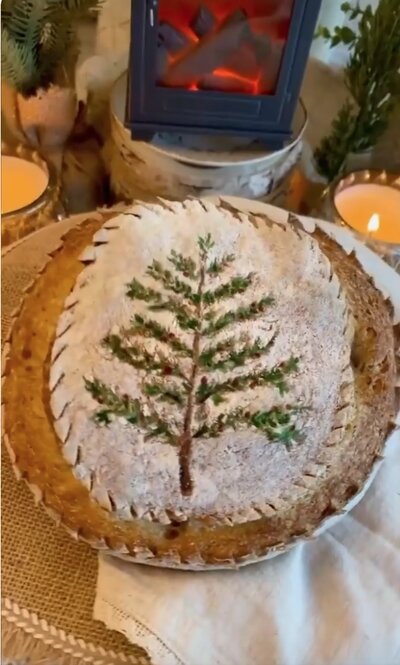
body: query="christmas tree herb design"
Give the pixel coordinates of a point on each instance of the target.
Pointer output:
(192, 302)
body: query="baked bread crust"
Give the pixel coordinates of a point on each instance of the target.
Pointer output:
(35, 449)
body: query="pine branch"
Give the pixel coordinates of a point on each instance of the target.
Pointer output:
(25, 21)
(151, 328)
(234, 358)
(58, 46)
(275, 377)
(124, 407)
(43, 40)
(77, 8)
(18, 64)
(243, 313)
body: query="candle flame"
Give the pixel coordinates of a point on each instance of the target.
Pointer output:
(374, 223)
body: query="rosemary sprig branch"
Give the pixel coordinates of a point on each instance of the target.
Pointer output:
(150, 328)
(184, 265)
(123, 406)
(165, 392)
(277, 424)
(242, 313)
(170, 282)
(275, 376)
(371, 78)
(217, 266)
(235, 286)
(184, 316)
(138, 357)
(234, 358)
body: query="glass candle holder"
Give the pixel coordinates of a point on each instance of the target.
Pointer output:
(29, 193)
(367, 203)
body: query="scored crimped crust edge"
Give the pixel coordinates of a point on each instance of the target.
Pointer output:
(36, 455)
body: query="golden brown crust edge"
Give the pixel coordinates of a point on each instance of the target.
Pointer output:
(36, 455)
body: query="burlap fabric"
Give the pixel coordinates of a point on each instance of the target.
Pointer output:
(48, 580)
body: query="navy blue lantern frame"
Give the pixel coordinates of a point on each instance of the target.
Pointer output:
(152, 108)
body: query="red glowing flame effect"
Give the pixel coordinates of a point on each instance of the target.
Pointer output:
(269, 19)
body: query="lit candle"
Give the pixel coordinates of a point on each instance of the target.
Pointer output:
(373, 224)
(22, 183)
(371, 209)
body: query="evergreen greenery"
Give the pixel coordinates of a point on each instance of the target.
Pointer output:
(181, 375)
(372, 79)
(38, 39)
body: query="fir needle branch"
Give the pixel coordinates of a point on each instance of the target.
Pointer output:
(234, 358)
(151, 328)
(140, 358)
(243, 313)
(183, 264)
(237, 284)
(218, 266)
(275, 376)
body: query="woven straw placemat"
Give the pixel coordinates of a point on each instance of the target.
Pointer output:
(48, 580)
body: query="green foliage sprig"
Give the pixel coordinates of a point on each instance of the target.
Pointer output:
(183, 377)
(38, 39)
(372, 80)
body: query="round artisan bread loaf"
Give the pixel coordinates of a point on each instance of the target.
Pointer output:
(202, 386)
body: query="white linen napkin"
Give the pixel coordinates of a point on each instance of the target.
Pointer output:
(334, 600)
